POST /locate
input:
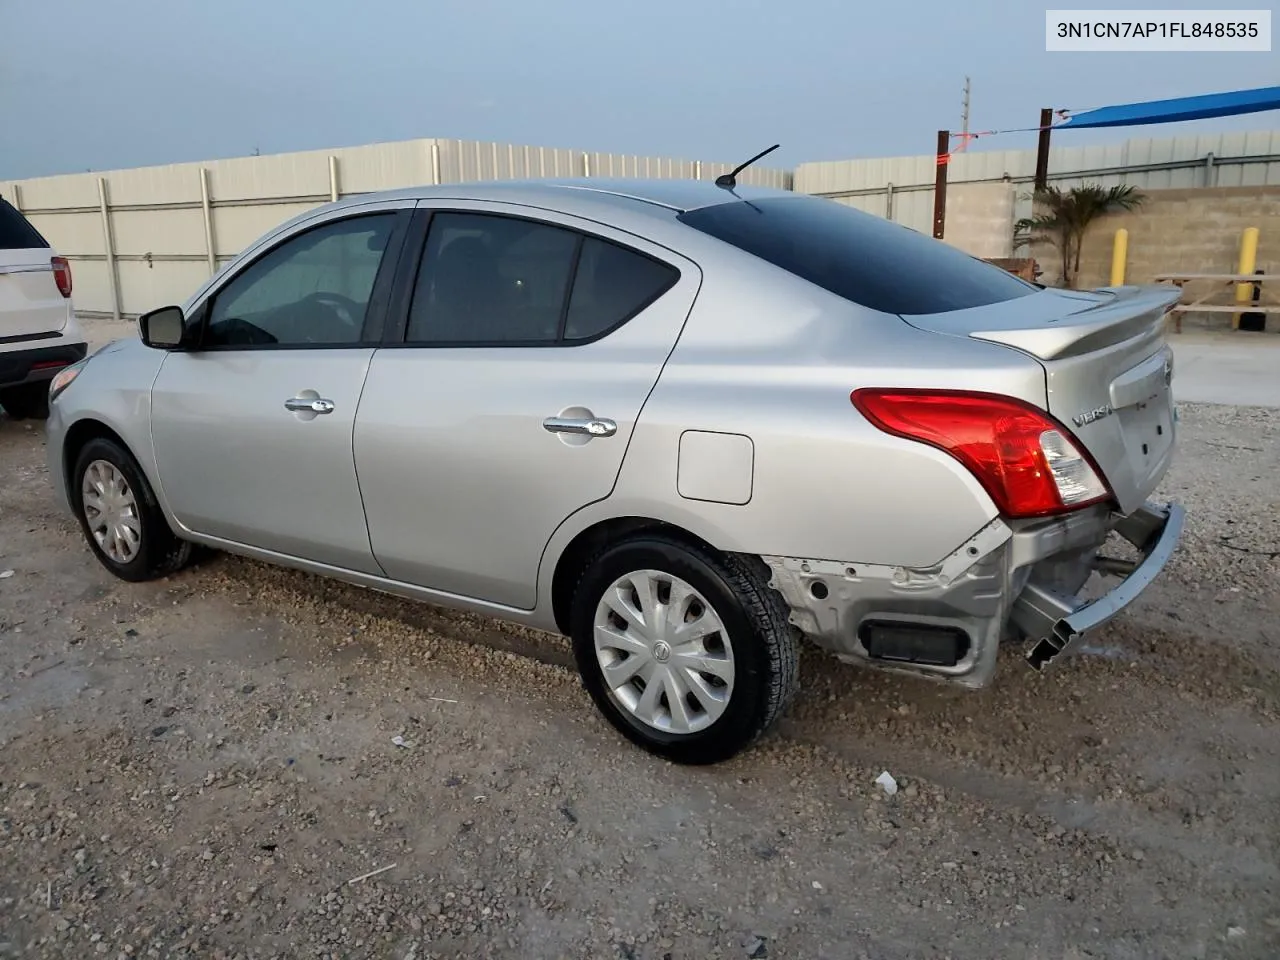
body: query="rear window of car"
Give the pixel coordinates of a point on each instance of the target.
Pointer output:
(16, 232)
(868, 260)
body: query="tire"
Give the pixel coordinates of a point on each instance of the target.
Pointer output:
(762, 648)
(26, 401)
(155, 551)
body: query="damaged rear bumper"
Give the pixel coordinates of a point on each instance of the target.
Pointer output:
(1058, 623)
(1007, 582)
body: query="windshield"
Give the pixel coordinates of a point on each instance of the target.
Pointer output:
(864, 258)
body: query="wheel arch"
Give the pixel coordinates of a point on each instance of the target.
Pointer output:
(91, 427)
(573, 559)
(74, 440)
(165, 555)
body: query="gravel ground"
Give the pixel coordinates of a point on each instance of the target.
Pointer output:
(206, 767)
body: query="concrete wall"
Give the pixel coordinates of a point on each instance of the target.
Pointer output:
(901, 188)
(1179, 231)
(149, 236)
(980, 218)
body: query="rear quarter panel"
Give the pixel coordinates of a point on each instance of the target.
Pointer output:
(774, 358)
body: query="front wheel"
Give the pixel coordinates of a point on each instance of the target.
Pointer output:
(120, 517)
(686, 652)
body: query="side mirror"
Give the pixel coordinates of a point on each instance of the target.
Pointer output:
(164, 329)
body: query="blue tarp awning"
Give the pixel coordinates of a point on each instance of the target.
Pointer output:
(1179, 109)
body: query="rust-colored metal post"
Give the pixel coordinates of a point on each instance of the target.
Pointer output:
(940, 184)
(1042, 150)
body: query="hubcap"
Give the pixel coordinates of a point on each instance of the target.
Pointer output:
(111, 511)
(664, 652)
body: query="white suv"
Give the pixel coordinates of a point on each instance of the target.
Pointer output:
(38, 330)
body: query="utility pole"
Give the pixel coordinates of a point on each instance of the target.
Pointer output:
(1042, 149)
(940, 184)
(964, 117)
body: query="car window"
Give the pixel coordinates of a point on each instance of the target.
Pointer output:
(866, 259)
(16, 231)
(491, 279)
(312, 290)
(612, 285)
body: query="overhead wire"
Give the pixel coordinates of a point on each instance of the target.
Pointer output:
(965, 138)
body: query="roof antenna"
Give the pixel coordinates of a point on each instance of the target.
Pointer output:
(730, 180)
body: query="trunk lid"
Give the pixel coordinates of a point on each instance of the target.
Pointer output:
(30, 303)
(1108, 371)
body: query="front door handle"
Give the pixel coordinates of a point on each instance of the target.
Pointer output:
(585, 427)
(304, 405)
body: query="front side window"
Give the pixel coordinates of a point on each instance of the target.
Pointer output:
(858, 256)
(312, 290)
(487, 279)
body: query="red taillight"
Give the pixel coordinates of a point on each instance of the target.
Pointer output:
(62, 275)
(1024, 459)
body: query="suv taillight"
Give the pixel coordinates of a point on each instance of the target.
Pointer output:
(1025, 460)
(62, 275)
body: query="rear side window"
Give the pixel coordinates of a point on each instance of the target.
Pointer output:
(489, 280)
(611, 286)
(865, 259)
(16, 232)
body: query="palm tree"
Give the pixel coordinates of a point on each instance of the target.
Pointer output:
(1065, 216)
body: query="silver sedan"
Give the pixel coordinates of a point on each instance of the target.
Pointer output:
(686, 424)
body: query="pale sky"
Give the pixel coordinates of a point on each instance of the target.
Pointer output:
(102, 84)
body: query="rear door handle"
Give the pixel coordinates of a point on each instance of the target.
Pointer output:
(303, 405)
(586, 427)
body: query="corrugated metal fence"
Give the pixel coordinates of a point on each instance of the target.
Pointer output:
(148, 236)
(901, 188)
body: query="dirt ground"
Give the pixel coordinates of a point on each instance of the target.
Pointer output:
(206, 767)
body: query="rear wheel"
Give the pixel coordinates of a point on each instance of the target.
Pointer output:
(120, 517)
(26, 401)
(687, 653)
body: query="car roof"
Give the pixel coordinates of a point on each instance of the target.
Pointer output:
(639, 205)
(569, 194)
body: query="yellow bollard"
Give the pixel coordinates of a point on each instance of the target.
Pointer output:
(1119, 252)
(1248, 263)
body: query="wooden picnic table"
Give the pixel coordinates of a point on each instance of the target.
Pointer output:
(1220, 283)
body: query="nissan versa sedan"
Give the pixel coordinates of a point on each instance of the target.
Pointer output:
(686, 424)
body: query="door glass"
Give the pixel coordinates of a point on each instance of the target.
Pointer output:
(313, 289)
(612, 285)
(491, 279)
